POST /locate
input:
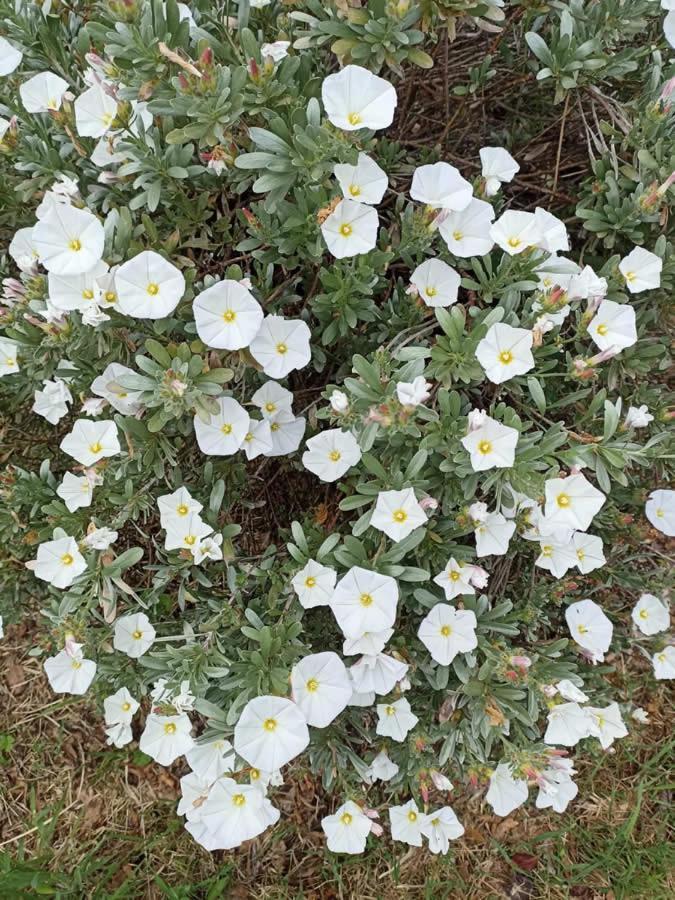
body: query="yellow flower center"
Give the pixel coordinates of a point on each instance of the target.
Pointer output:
(354, 118)
(660, 513)
(366, 600)
(446, 631)
(270, 407)
(106, 118)
(602, 329)
(630, 277)
(514, 242)
(505, 357)
(412, 816)
(643, 614)
(87, 295)
(581, 555)
(354, 190)
(229, 315)
(582, 629)
(110, 296)
(310, 582)
(76, 664)
(399, 515)
(563, 501)
(334, 455)
(546, 550)
(431, 291)
(190, 540)
(182, 510)
(254, 774)
(248, 437)
(270, 724)
(281, 349)
(239, 799)
(453, 576)
(457, 235)
(485, 447)
(126, 707)
(346, 819)
(75, 245)
(312, 685)
(389, 710)
(137, 635)
(67, 559)
(661, 657)
(169, 728)
(275, 426)
(345, 229)
(153, 289)
(95, 448)
(226, 428)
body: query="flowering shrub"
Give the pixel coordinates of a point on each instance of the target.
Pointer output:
(329, 451)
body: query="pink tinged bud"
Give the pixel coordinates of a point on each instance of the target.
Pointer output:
(424, 791)
(253, 69)
(441, 782)
(439, 219)
(371, 813)
(376, 829)
(429, 503)
(593, 304)
(549, 690)
(609, 353)
(575, 470)
(521, 662)
(476, 419)
(667, 89)
(666, 184)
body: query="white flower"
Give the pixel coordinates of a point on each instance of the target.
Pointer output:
(651, 615)
(556, 271)
(68, 292)
(134, 635)
(364, 601)
(331, 454)
(8, 356)
(351, 229)
(43, 92)
(660, 510)
(68, 672)
(258, 439)
(119, 708)
(314, 584)
(281, 345)
(59, 562)
(209, 547)
(165, 738)
(177, 506)
(498, 167)
(589, 552)
(365, 182)
(506, 792)
(93, 406)
(491, 445)
(271, 731)
(515, 231)
(436, 282)
(505, 352)
(75, 491)
(355, 98)
(586, 285)
(556, 558)
(148, 286)
(339, 401)
(211, 760)
(440, 828)
(95, 111)
(100, 538)
(551, 232)
(664, 663)
(370, 642)
(613, 326)
(569, 691)
(557, 792)
(272, 398)
(638, 417)
(321, 687)
(10, 57)
(23, 251)
(377, 673)
(286, 432)
(467, 232)
(224, 433)
(119, 735)
(640, 715)
(381, 768)
(395, 719)
(227, 316)
(52, 402)
(440, 186)
(106, 385)
(406, 823)
(68, 240)
(607, 724)
(276, 51)
(642, 270)
(568, 723)
(455, 579)
(231, 814)
(185, 533)
(493, 535)
(347, 829)
(590, 628)
(572, 502)
(88, 441)
(446, 631)
(397, 513)
(413, 393)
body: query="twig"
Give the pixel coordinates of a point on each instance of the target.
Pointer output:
(560, 143)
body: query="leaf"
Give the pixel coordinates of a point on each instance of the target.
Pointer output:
(537, 393)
